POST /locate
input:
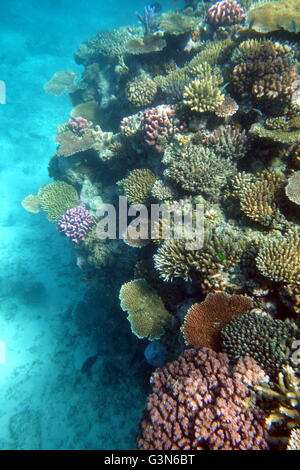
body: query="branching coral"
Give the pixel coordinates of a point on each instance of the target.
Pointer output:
(199, 402)
(204, 322)
(226, 12)
(75, 224)
(141, 91)
(266, 72)
(279, 257)
(137, 186)
(226, 141)
(146, 312)
(257, 196)
(268, 341)
(196, 169)
(202, 95)
(56, 198)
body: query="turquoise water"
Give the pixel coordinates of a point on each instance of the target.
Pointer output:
(49, 322)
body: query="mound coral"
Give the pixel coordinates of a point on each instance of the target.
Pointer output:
(141, 91)
(75, 224)
(158, 126)
(226, 12)
(268, 341)
(56, 198)
(194, 169)
(279, 257)
(199, 402)
(204, 321)
(137, 186)
(147, 314)
(292, 190)
(79, 125)
(202, 95)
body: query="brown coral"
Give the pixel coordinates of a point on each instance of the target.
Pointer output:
(292, 190)
(199, 402)
(141, 91)
(204, 322)
(137, 186)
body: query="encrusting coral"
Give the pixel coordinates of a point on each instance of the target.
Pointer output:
(200, 402)
(147, 314)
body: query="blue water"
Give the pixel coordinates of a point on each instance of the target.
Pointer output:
(45, 401)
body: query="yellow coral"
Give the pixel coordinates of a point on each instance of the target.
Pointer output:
(137, 186)
(146, 312)
(32, 203)
(141, 91)
(273, 16)
(56, 198)
(202, 95)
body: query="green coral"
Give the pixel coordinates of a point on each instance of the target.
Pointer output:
(56, 198)
(138, 185)
(267, 341)
(202, 95)
(146, 312)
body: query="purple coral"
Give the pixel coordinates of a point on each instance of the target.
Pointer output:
(76, 223)
(79, 125)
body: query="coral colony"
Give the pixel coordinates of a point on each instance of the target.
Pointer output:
(75, 224)
(195, 107)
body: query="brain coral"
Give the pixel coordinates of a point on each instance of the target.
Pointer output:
(146, 311)
(141, 91)
(279, 257)
(199, 402)
(137, 186)
(56, 198)
(204, 321)
(268, 341)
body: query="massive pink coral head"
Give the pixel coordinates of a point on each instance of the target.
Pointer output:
(76, 223)
(225, 13)
(79, 125)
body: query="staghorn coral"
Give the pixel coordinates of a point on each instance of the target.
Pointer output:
(274, 16)
(146, 311)
(202, 95)
(220, 252)
(268, 341)
(213, 52)
(226, 12)
(283, 394)
(204, 321)
(266, 72)
(137, 186)
(141, 91)
(278, 258)
(257, 196)
(199, 402)
(196, 169)
(292, 190)
(56, 198)
(206, 71)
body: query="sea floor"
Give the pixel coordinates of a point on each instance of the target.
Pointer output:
(48, 327)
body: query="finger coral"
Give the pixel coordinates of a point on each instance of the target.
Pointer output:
(137, 186)
(267, 341)
(147, 314)
(200, 402)
(279, 257)
(141, 91)
(204, 321)
(226, 12)
(75, 223)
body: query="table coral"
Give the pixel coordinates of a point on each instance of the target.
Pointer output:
(147, 314)
(200, 402)
(204, 321)
(274, 16)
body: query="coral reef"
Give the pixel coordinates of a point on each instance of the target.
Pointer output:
(267, 341)
(147, 314)
(202, 95)
(204, 322)
(137, 186)
(56, 198)
(198, 402)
